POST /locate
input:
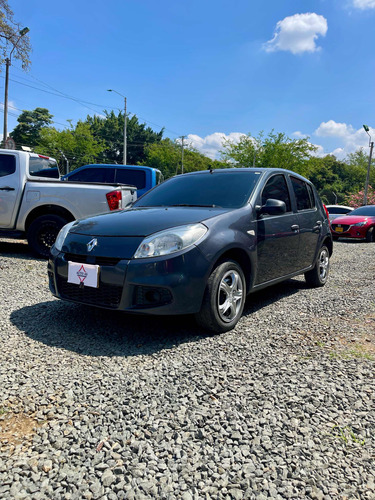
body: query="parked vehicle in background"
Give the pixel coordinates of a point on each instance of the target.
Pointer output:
(144, 178)
(36, 205)
(336, 210)
(196, 244)
(358, 224)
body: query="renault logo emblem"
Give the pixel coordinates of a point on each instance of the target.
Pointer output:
(91, 244)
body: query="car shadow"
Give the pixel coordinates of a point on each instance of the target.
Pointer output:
(17, 249)
(91, 331)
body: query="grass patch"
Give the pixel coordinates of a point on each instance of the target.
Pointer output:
(347, 435)
(357, 351)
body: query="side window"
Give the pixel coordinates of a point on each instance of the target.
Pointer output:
(134, 177)
(303, 193)
(277, 189)
(90, 175)
(7, 165)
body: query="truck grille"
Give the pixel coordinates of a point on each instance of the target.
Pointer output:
(104, 296)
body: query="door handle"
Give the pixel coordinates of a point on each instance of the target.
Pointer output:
(318, 225)
(295, 227)
(6, 188)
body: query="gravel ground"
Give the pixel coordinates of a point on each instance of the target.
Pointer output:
(96, 404)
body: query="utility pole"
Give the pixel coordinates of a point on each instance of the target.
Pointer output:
(7, 64)
(125, 132)
(182, 153)
(371, 145)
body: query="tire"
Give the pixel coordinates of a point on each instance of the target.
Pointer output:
(224, 298)
(319, 274)
(370, 235)
(335, 238)
(43, 232)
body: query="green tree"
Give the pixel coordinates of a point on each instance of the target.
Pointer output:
(10, 39)
(110, 130)
(167, 157)
(30, 123)
(76, 145)
(276, 150)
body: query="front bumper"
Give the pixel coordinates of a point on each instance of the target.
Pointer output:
(358, 232)
(165, 285)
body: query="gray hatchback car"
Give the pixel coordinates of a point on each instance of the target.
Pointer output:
(197, 244)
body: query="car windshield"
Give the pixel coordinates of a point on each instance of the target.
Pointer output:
(227, 189)
(367, 210)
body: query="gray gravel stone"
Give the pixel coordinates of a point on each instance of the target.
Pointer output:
(100, 405)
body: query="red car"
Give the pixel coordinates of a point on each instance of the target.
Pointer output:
(360, 223)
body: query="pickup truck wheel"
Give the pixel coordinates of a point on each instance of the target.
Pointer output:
(319, 274)
(224, 298)
(43, 232)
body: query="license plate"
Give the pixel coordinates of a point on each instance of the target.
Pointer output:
(85, 274)
(339, 229)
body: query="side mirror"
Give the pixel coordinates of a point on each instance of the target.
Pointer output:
(272, 207)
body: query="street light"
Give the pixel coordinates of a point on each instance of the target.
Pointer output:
(371, 146)
(8, 61)
(125, 147)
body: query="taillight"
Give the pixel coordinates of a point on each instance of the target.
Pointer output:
(114, 200)
(327, 214)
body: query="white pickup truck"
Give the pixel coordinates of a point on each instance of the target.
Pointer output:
(36, 204)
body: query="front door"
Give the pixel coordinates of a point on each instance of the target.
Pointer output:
(277, 236)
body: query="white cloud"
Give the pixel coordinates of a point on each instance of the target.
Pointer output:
(334, 129)
(213, 143)
(298, 33)
(345, 137)
(364, 4)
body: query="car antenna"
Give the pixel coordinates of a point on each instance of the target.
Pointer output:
(210, 169)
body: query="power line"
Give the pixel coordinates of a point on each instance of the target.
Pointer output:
(58, 93)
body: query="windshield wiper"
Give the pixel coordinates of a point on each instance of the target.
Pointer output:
(191, 205)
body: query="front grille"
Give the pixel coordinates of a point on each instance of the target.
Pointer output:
(105, 295)
(91, 259)
(148, 296)
(344, 227)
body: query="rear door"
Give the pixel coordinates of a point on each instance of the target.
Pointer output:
(310, 221)
(10, 189)
(278, 235)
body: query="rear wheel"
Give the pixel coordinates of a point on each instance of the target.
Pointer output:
(224, 298)
(319, 274)
(43, 232)
(370, 235)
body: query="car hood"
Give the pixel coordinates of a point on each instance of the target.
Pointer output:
(348, 220)
(142, 221)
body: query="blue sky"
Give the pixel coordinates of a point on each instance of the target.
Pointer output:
(205, 69)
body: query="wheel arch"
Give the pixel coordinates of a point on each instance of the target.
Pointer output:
(242, 258)
(48, 210)
(329, 244)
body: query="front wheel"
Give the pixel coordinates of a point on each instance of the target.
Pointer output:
(319, 274)
(370, 235)
(224, 298)
(43, 232)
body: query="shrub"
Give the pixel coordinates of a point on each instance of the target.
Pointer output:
(355, 200)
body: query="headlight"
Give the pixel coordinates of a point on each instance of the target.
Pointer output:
(62, 235)
(170, 241)
(359, 224)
